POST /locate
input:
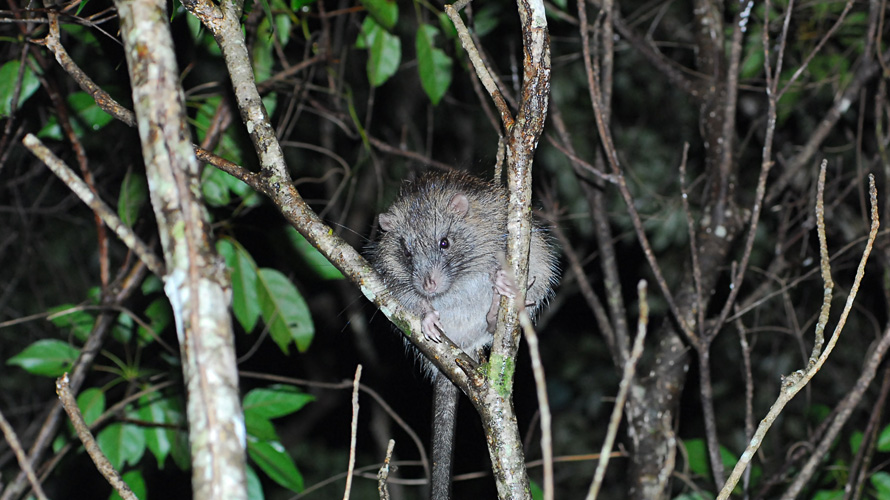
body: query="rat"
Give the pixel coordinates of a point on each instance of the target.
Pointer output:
(441, 255)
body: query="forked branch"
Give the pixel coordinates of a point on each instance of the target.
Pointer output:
(793, 383)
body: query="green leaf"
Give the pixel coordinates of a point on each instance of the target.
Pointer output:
(82, 34)
(122, 331)
(248, 196)
(366, 34)
(204, 116)
(263, 58)
(152, 284)
(752, 61)
(9, 78)
(283, 25)
(313, 258)
(384, 51)
(884, 440)
(51, 130)
(91, 403)
(88, 111)
(487, 19)
(828, 495)
(70, 317)
(217, 187)
(228, 146)
(694, 496)
(432, 63)
(276, 463)
(166, 412)
(881, 481)
(48, 357)
(214, 187)
(817, 412)
(298, 5)
(447, 25)
(260, 427)
(122, 444)
(159, 317)
(243, 271)
(698, 457)
(134, 195)
(537, 492)
(855, 441)
(136, 483)
(385, 12)
(254, 486)
(180, 453)
(275, 401)
(59, 442)
(284, 310)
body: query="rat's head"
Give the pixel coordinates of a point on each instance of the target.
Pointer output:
(426, 243)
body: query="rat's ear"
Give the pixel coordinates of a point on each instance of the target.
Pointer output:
(460, 204)
(386, 221)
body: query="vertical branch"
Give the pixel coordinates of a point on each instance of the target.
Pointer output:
(522, 138)
(195, 282)
(609, 263)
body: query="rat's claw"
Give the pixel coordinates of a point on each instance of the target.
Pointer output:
(431, 327)
(504, 285)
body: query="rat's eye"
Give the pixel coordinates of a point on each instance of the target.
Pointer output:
(444, 243)
(406, 250)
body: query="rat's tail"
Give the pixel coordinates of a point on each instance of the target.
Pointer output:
(445, 396)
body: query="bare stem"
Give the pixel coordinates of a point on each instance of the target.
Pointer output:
(80, 188)
(89, 442)
(793, 383)
(22, 457)
(630, 368)
(353, 432)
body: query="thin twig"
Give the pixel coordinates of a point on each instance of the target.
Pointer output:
(99, 207)
(793, 383)
(693, 245)
(849, 403)
(383, 473)
(102, 99)
(353, 433)
(128, 281)
(859, 472)
(819, 335)
(482, 70)
(89, 442)
(812, 54)
(749, 395)
(21, 457)
(543, 401)
(612, 157)
(630, 368)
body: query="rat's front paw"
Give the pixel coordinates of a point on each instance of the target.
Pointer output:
(504, 284)
(431, 327)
